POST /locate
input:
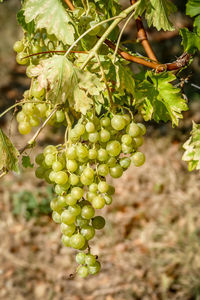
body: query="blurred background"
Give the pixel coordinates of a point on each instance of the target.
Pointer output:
(150, 247)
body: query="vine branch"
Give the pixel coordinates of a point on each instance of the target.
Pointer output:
(69, 4)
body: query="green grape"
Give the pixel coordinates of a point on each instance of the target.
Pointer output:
(103, 170)
(142, 128)
(34, 121)
(111, 162)
(88, 232)
(81, 222)
(73, 136)
(90, 127)
(85, 136)
(49, 159)
(125, 162)
(54, 205)
(39, 158)
(113, 148)
(61, 201)
(36, 91)
(60, 116)
(56, 217)
(139, 141)
(41, 110)
(52, 176)
(66, 240)
(90, 196)
(79, 129)
(80, 258)
(138, 159)
(127, 119)
(103, 187)
(85, 180)
(49, 149)
(98, 222)
(94, 269)
(118, 122)
(59, 190)
(92, 154)
(72, 165)
(90, 260)
(46, 176)
(21, 58)
(21, 117)
(73, 179)
(67, 217)
(74, 209)
(98, 202)
(71, 153)
(104, 135)
(18, 46)
(77, 241)
(81, 151)
(127, 149)
(93, 188)
(108, 199)
(116, 171)
(67, 229)
(24, 128)
(133, 130)
(29, 108)
(93, 137)
(126, 139)
(88, 172)
(83, 271)
(102, 155)
(61, 178)
(87, 212)
(39, 172)
(105, 122)
(70, 200)
(77, 193)
(57, 166)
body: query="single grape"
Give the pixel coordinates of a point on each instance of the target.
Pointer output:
(61, 201)
(90, 196)
(61, 177)
(139, 141)
(39, 158)
(77, 241)
(126, 139)
(118, 122)
(125, 162)
(88, 172)
(85, 180)
(41, 110)
(93, 187)
(71, 153)
(29, 108)
(88, 232)
(24, 128)
(70, 200)
(98, 222)
(108, 199)
(34, 121)
(102, 155)
(67, 217)
(127, 149)
(81, 151)
(74, 209)
(105, 122)
(138, 159)
(77, 193)
(54, 205)
(80, 258)
(90, 127)
(49, 149)
(67, 229)
(39, 172)
(66, 240)
(21, 58)
(36, 90)
(60, 116)
(22, 117)
(93, 137)
(104, 135)
(127, 119)
(18, 46)
(61, 189)
(142, 128)
(116, 171)
(90, 260)
(133, 130)
(73, 179)
(79, 129)
(57, 166)
(56, 217)
(83, 271)
(81, 222)
(72, 165)
(49, 159)
(94, 269)
(52, 176)
(87, 212)
(103, 187)
(98, 202)
(111, 162)
(103, 170)
(92, 154)
(113, 148)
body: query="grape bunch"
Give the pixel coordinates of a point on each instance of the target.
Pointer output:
(78, 169)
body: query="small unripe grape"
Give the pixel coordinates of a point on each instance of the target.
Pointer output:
(116, 171)
(139, 141)
(39, 172)
(77, 241)
(71, 153)
(57, 166)
(90, 259)
(127, 149)
(142, 128)
(79, 129)
(24, 128)
(112, 162)
(98, 222)
(90, 196)
(74, 209)
(103, 187)
(88, 232)
(93, 188)
(36, 90)
(21, 117)
(72, 165)
(60, 189)
(90, 127)
(70, 200)
(93, 137)
(125, 162)
(104, 135)
(81, 222)
(67, 217)
(105, 122)
(83, 271)
(54, 205)
(85, 180)
(126, 139)
(66, 240)
(67, 229)
(92, 154)
(20, 58)
(34, 121)
(29, 108)
(118, 122)
(88, 172)
(49, 159)
(102, 155)
(98, 202)
(113, 148)
(52, 176)
(73, 179)
(60, 116)
(80, 258)
(39, 158)
(127, 119)
(81, 151)
(133, 130)
(56, 217)
(41, 108)
(103, 170)
(61, 178)
(61, 201)
(49, 149)
(87, 212)
(138, 159)
(18, 46)
(77, 193)
(94, 269)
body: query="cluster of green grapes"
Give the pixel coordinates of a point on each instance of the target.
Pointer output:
(78, 170)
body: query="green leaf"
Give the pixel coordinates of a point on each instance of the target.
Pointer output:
(193, 8)
(192, 149)
(52, 16)
(29, 27)
(8, 153)
(197, 24)
(124, 78)
(157, 13)
(190, 40)
(157, 98)
(82, 101)
(26, 161)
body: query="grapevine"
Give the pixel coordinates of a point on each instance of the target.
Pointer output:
(80, 81)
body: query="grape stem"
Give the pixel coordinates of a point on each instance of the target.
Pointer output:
(33, 139)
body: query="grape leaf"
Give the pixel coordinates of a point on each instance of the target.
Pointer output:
(8, 153)
(193, 8)
(82, 101)
(29, 27)
(124, 78)
(157, 13)
(190, 40)
(51, 15)
(157, 98)
(192, 149)
(26, 161)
